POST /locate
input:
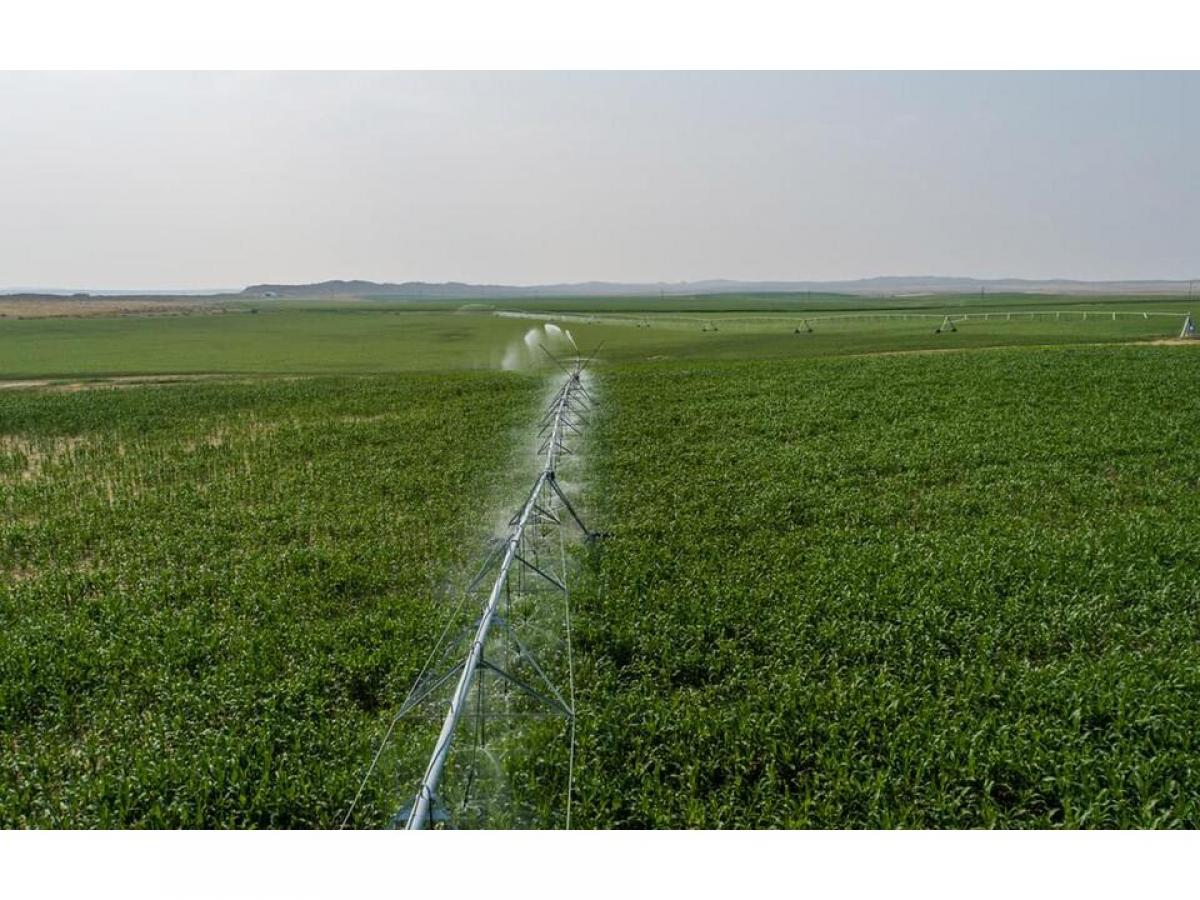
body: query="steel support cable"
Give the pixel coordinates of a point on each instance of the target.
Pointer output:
(409, 698)
(562, 545)
(404, 708)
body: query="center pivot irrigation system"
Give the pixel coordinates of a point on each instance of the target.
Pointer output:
(501, 680)
(802, 323)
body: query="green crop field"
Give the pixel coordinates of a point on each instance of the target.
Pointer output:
(367, 338)
(910, 591)
(212, 594)
(846, 582)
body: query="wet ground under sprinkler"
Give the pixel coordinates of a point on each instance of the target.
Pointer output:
(508, 673)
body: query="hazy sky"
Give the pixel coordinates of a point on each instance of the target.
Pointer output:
(149, 180)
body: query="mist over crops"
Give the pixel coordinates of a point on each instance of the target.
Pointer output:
(531, 350)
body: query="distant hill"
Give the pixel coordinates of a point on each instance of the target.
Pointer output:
(454, 290)
(883, 286)
(880, 286)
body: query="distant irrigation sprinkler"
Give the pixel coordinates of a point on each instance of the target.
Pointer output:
(804, 328)
(1189, 327)
(498, 674)
(946, 326)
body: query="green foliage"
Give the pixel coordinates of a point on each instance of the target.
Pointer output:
(923, 590)
(943, 590)
(214, 596)
(355, 338)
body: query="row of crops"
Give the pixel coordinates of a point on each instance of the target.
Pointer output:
(950, 590)
(924, 590)
(212, 596)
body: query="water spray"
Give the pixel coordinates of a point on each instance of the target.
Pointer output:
(546, 509)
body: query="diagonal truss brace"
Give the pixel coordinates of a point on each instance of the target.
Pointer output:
(553, 482)
(546, 575)
(555, 703)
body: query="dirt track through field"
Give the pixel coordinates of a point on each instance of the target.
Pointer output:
(125, 381)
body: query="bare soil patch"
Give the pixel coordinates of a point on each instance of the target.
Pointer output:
(27, 306)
